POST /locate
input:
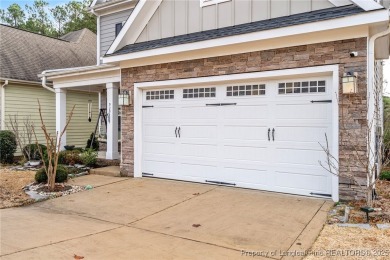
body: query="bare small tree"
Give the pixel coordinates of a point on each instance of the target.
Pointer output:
(23, 134)
(369, 158)
(53, 144)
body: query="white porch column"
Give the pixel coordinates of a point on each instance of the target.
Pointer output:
(61, 114)
(112, 121)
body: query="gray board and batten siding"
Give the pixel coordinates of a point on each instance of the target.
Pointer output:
(179, 17)
(107, 28)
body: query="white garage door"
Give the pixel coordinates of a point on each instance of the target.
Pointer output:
(263, 135)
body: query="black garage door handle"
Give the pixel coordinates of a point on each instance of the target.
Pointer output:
(273, 134)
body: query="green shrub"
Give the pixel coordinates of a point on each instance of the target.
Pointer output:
(385, 175)
(61, 157)
(61, 174)
(69, 157)
(7, 146)
(95, 144)
(89, 157)
(79, 149)
(33, 150)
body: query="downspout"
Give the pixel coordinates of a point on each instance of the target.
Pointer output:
(370, 87)
(44, 83)
(2, 89)
(98, 36)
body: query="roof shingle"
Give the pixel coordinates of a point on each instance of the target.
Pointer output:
(24, 55)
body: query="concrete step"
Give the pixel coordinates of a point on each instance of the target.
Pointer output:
(113, 171)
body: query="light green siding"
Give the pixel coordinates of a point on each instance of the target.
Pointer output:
(80, 129)
(22, 100)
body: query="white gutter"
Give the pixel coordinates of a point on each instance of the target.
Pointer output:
(371, 56)
(49, 73)
(44, 83)
(2, 89)
(370, 94)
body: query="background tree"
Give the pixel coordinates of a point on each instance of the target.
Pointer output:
(14, 15)
(38, 18)
(59, 16)
(55, 21)
(79, 17)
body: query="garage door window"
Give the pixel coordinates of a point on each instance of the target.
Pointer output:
(245, 90)
(160, 94)
(302, 87)
(198, 92)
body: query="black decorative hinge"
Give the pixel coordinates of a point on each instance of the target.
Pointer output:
(321, 101)
(321, 194)
(222, 104)
(221, 183)
(146, 106)
(144, 174)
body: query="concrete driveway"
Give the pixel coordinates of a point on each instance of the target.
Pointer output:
(158, 219)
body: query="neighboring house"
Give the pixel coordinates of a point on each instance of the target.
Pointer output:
(24, 55)
(238, 93)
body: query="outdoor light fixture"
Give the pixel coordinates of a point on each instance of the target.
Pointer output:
(349, 83)
(124, 98)
(89, 110)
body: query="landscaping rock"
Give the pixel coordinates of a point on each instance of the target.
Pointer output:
(362, 226)
(88, 187)
(33, 191)
(383, 226)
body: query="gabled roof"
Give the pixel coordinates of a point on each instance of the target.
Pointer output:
(24, 54)
(77, 36)
(296, 19)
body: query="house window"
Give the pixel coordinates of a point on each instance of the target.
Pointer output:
(302, 87)
(118, 28)
(245, 90)
(211, 2)
(160, 94)
(198, 92)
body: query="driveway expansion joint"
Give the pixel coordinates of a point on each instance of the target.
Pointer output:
(169, 207)
(314, 215)
(64, 240)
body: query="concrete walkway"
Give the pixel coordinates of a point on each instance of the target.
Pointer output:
(160, 219)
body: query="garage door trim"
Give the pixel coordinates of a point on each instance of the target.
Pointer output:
(329, 70)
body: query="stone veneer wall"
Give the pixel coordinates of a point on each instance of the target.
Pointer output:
(353, 108)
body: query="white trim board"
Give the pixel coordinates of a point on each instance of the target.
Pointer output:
(287, 73)
(135, 24)
(367, 5)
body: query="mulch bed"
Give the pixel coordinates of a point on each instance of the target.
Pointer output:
(57, 188)
(382, 204)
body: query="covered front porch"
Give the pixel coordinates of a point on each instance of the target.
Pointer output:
(103, 80)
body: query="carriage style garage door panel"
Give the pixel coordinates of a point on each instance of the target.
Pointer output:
(262, 135)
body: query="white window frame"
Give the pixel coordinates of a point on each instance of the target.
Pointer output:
(204, 3)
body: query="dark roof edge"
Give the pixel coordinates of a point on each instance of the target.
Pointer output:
(342, 11)
(54, 38)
